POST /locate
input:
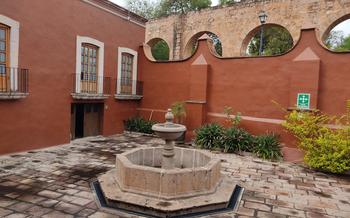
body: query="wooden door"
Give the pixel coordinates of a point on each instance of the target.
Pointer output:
(89, 68)
(92, 119)
(4, 58)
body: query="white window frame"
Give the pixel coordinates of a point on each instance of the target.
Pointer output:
(14, 47)
(100, 45)
(134, 53)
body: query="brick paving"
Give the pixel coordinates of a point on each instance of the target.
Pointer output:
(54, 182)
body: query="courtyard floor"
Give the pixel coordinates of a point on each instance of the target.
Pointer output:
(54, 182)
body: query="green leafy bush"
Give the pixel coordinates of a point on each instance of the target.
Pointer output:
(210, 136)
(237, 139)
(138, 124)
(267, 147)
(325, 148)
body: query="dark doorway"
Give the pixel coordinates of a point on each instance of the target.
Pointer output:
(79, 121)
(86, 119)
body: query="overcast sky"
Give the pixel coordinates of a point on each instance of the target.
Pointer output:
(345, 26)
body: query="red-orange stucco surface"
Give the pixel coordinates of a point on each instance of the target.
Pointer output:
(47, 47)
(249, 85)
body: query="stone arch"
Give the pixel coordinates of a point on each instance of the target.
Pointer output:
(332, 25)
(190, 46)
(150, 44)
(253, 32)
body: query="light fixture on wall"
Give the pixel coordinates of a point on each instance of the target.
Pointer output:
(262, 18)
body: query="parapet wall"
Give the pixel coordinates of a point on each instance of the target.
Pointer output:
(234, 24)
(249, 85)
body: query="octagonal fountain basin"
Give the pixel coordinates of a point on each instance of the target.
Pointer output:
(195, 173)
(195, 185)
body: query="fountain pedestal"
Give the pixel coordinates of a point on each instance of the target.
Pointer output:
(168, 161)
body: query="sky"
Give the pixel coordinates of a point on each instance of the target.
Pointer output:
(344, 26)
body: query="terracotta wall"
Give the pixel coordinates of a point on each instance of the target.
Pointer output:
(47, 47)
(249, 85)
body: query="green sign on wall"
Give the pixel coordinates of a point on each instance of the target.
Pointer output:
(303, 101)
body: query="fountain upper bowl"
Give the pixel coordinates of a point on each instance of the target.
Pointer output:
(169, 131)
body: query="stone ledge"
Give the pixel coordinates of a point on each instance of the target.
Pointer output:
(127, 97)
(12, 95)
(116, 198)
(88, 96)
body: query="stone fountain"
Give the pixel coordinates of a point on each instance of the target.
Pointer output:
(167, 181)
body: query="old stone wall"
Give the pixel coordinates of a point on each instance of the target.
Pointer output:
(235, 25)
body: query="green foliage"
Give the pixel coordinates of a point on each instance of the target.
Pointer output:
(235, 120)
(216, 43)
(210, 136)
(160, 51)
(237, 139)
(336, 41)
(276, 40)
(344, 46)
(144, 8)
(267, 147)
(325, 148)
(179, 111)
(167, 7)
(228, 2)
(331, 152)
(138, 124)
(214, 136)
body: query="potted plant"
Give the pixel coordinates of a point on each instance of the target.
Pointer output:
(179, 111)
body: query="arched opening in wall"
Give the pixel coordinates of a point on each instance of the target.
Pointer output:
(337, 36)
(159, 49)
(192, 44)
(276, 40)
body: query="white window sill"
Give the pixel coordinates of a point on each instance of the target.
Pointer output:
(12, 95)
(89, 96)
(127, 97)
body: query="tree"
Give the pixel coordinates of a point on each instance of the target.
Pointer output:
(276, 40)
(345, 45)
(167, 7)
(144, 8)
(228, 2)
(160, 51)
(336, 41)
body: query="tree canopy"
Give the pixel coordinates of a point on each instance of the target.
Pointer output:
(336, 41)
(159, 8)
(276, 40)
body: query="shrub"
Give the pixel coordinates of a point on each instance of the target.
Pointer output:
(138, 124)
(325, 149)
(267, 147)
(237, 139)
(209, 136)
(234, 122)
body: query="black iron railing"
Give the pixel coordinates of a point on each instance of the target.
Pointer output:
(14, 80)
(90, 84)
(126, 86)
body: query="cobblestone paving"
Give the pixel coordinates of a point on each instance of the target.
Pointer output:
(54, 182)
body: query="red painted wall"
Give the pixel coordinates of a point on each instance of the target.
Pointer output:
(249, 84)
(47, 47)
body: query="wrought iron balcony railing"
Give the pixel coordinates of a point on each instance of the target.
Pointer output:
(129, 89)
(90, 86)
(13, 82)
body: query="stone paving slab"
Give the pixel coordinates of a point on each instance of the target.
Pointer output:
(54, 182)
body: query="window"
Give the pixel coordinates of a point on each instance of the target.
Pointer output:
(4, 42)
(89, 60)
(127, 71)
(126, 77)
(89, 66)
